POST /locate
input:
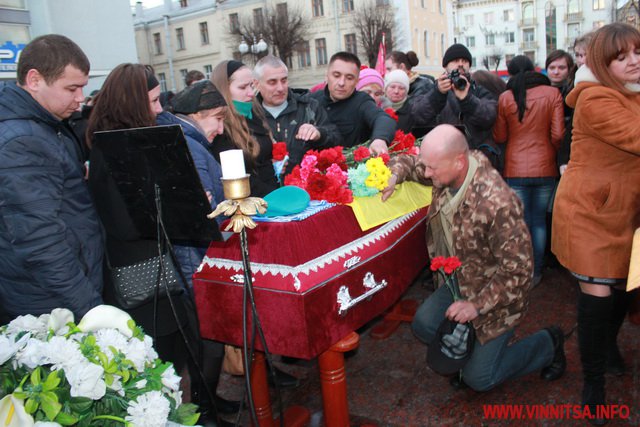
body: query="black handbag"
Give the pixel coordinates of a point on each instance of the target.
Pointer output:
(136, 284)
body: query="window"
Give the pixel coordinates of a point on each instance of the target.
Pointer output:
(234, 22)
(508, 15)
(157, 43)
(381, 3)
(468, 21)
(183, 3)
(258, 18)
(510, 37)
(317, 7)
(488, 18)
(490, 39)
(527, 12)
(321, 51)
(426, 44)
(573, 6)
(208, 69)
(442, 44)
(528, 36)
(183, 74)
(598, 4)
(473, 62)
(204, 33)
(440, 8)
(347, 6)
(551, 35)
(281, 11)
(162, 78)
(304, 55)
(180, 38)
(350, 43)
(471, 41)
(573, 31)
(422, 3)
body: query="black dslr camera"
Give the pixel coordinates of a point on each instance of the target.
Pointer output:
(457, 81)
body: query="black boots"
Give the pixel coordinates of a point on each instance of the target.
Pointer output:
(559, 363)
(594, 317)
(621, 301)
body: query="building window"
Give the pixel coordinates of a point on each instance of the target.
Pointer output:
(473, 62)
(162, 78)
(468, 21)
(304, 55)
(426, 44)
(234, 22)
(321, 51)
(488, 18)
(442, 47)
(180, 38)
(258, 18)
(157, 44)
(551, 30)
(204, 33)
(440, 8)
(317, 7)
(573, 31)
(471, 41)
(422, 3)
(527, 12)
(281, 11)
(183, 75)
(573, 6)
(510, 37)
(208, 69)
(347, 6)
(490, 39)
(183, 3)
(508, 15)
(381, 3)
(350, 43)
(528, 36)
(598, 4)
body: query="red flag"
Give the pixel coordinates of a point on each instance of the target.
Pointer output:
(382, 54)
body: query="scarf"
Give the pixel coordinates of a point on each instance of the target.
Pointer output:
(244, 108)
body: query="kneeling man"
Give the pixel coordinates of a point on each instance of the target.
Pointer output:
(478, 218)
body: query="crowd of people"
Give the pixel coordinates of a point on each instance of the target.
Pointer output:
(493, 152)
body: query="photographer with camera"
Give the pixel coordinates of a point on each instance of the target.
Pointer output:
(457, 100)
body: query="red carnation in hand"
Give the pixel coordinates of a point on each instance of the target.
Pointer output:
(385, 157)
(392, 113)
(279, 151)
(361, 153)
(451, 264)
(437, 263)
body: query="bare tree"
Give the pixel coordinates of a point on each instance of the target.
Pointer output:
(371, 20)
(284, 30)
(629, 13)
(493, 59)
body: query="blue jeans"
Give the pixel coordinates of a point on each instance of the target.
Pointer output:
(535, 194)
(493, 362)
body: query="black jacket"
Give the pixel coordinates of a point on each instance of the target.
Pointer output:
(302, 109)
(262, 175)
(51, 245)
(357, 118)
(477, 112)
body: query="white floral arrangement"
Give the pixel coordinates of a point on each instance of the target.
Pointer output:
(102, 371)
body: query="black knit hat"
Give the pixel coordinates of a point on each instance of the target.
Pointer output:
(202, 95)
(456, 51)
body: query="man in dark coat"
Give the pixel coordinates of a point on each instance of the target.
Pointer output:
(464, 104)
(354, 113)
(294, 118)
(51, 245)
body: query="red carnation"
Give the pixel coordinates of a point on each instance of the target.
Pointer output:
(385, 158)
(390, 111)
(451, 264)
(437, 263)
(361, 153)
(279, 151)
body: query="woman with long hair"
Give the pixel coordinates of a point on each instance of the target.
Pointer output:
(530, 122)
(597, 206)
(245, 127)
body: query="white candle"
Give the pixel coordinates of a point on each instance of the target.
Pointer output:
(232, 162)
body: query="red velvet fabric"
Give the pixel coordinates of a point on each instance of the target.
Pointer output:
(305, 322)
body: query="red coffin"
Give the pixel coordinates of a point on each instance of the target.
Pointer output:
(310, 279)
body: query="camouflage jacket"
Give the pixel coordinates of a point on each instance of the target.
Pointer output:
(491, 240)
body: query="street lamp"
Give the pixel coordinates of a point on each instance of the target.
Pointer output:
(256, 48)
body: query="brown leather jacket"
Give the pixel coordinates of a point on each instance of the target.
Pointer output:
(531, 146)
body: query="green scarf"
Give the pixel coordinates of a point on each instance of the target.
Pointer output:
(244, 108)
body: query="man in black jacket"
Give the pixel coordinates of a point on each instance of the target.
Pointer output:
(51, 245)
(294, 118)
(354, 113)
(457, 100)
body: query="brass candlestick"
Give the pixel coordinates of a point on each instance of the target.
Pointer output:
(238, 205)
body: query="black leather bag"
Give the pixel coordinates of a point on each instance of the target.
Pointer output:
(136, 284)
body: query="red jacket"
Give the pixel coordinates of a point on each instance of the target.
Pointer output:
(531, 145)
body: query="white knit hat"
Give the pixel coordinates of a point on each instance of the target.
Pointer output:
(397, 76)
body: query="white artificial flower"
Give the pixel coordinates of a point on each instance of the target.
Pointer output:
(28, 323)
(13, 414)
(9, 347)
(110, 337)
(32, 354)
(86, 380)
(141, 352)
(116, 385)
(141, 384)
(106, 316)
(58, 320)
(63, 353)
(170, 379)
(149, 410)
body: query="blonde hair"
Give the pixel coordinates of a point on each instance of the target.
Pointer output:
(607, 43)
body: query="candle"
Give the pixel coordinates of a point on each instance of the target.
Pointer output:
(232, 162)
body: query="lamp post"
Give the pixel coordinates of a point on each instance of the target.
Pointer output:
(256, 48)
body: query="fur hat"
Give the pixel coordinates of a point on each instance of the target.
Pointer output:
(456, 51)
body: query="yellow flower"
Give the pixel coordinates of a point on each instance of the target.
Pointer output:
(379, 173)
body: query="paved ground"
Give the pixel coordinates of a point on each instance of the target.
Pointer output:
(389, 383)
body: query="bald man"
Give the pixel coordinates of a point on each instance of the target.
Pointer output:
(478, 218)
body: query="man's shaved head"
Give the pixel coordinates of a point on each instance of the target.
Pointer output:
(445, 155)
